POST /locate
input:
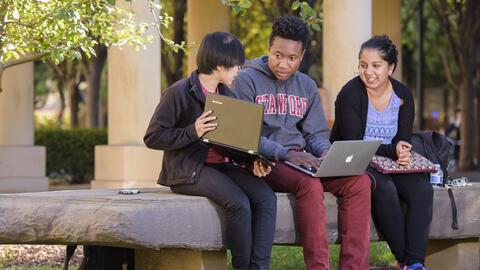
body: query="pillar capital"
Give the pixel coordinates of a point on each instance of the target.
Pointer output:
(204, 17)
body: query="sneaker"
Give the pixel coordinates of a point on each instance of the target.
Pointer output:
(416, 266)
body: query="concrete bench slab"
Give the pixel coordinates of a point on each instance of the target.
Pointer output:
(158, 219)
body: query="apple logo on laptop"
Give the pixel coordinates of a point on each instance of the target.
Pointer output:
(349, 159)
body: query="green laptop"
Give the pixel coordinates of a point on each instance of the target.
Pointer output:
(239, 124)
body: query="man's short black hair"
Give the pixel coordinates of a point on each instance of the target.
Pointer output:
(219, 49)
(290, 27)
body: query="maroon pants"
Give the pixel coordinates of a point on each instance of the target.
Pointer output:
(353, 218)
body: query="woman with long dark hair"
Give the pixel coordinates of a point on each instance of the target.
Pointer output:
(374, 106)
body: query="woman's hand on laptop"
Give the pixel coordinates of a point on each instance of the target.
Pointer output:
(403, 153)
(303, 159)
(260, 169)
(202, 124)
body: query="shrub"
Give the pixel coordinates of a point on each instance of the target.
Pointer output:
(70, 153)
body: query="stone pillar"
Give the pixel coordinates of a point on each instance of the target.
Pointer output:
(134, 91)
(180, 259)
(342, 38)
(22, 165)
(387, 21)
(346, 25)
(453, 254)
(204, 17)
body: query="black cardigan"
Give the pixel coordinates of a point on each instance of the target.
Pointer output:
(172, 129)
(351, 109)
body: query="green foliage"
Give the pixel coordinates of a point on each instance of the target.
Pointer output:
(380, 254)
(60, 30)
(239, 7)
(42, 73)
(253, 30)
(435, 46)
(70, 153)
(162, 21)
(308, 14)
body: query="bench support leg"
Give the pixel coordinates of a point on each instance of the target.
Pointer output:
(455, 254)
(180, 259)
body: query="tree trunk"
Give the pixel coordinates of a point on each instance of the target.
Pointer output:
(74, 94)
(62, 104)
(468, 139)
(446, 116)
(92, 69)
(172, 63)
(93, 95)
(103, 114)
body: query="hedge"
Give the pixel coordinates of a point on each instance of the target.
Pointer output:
(70, 153)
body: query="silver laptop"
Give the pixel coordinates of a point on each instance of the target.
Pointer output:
(345, 158)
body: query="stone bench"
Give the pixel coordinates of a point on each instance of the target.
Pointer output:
(170, 231)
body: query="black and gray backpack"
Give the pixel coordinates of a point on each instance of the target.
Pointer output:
(438, 149)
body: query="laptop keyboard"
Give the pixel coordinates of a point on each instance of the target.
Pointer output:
(312, 169)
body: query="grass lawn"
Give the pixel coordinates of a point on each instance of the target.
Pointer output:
(291, 258)
(283, 258)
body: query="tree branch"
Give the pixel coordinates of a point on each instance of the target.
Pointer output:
(25, 59)
(447, 27)
(281, 7)
(58, 71)
(448, 72)
(411, 14)
(266, 11)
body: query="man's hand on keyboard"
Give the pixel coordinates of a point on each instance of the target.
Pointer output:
(304, 159)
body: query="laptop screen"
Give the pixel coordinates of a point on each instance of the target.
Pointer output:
(239, 123)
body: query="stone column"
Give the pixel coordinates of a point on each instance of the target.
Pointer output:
(204, 17)
(22, 165)
(180, 259)
(134, 91)
(387, 21)
(347, 24)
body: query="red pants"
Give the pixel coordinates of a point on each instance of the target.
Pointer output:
(353, 218)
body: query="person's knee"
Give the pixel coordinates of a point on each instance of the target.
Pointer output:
(270, 200)
(310, 184)
(267, 199)
(423, 194)
(238, 205)
(428, 191)
(361, 184)
(309, 190)
(385, 188)
(386, 195)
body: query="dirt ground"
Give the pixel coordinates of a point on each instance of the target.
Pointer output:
(34, 255)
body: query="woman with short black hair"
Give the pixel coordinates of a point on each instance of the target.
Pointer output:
(374, 106)
(192, 167)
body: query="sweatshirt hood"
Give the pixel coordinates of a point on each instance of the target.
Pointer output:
(261, 64)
